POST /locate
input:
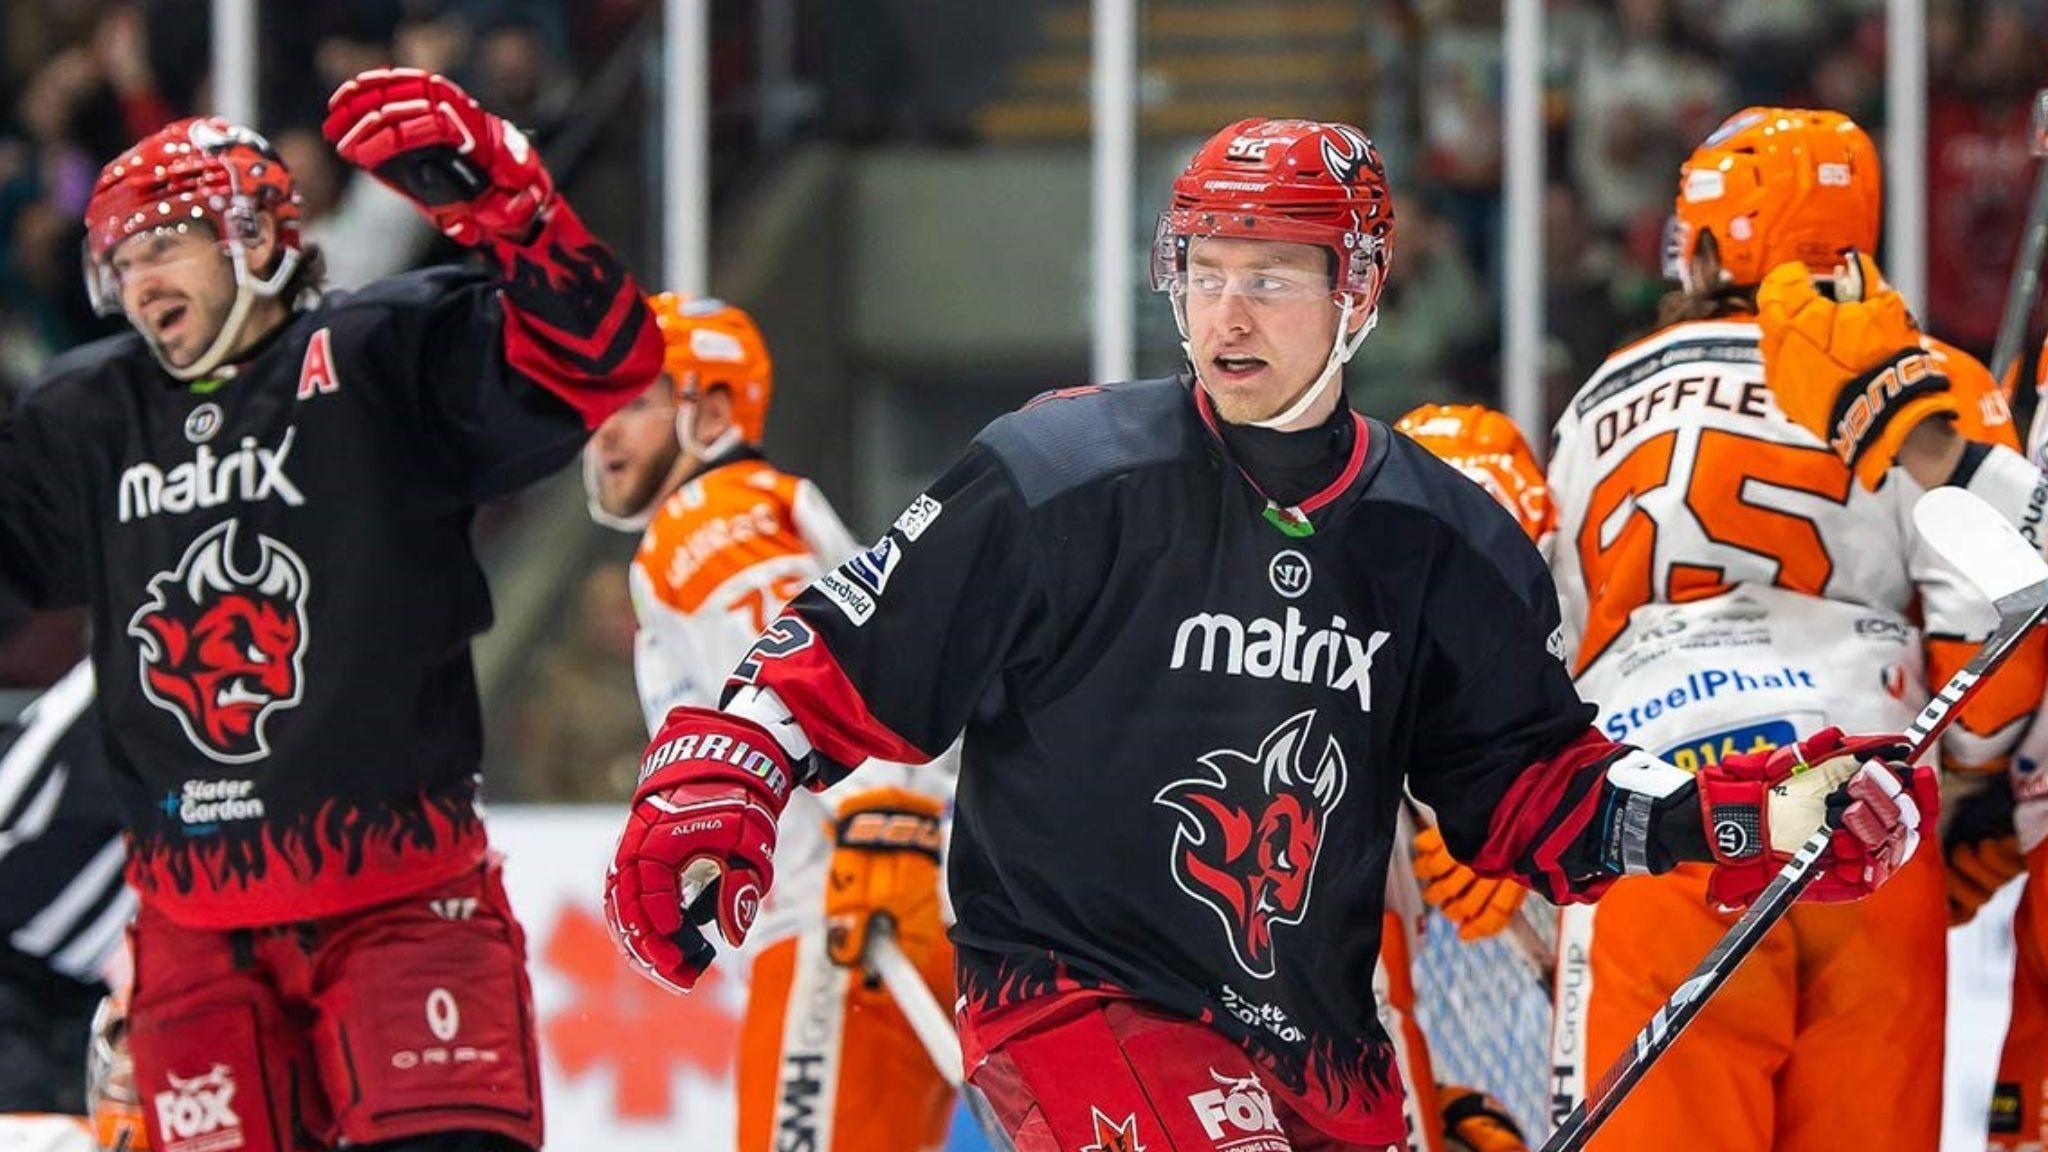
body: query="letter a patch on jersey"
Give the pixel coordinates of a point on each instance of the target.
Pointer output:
(316, 375)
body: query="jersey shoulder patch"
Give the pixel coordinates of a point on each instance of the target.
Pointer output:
(1063, 440)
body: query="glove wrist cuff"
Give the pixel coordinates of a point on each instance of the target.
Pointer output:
(716, 747)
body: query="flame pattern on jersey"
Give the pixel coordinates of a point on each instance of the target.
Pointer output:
(232, 872)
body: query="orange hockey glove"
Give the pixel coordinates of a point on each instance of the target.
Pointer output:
(885, 862)
(1850, 369)
(1478, 906)
(1476, 1122)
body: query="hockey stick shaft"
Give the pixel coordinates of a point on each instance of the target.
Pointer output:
(2025, 283)
(2018, 613)
(934, 1027)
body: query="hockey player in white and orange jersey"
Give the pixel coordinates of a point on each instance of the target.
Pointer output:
(1487, 447)
(827, 1062)
(1727, 582)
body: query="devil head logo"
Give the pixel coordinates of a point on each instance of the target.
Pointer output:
(1250, 830)
(222, 649)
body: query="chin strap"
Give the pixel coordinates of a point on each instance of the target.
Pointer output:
(1342, 348)
(248, 290)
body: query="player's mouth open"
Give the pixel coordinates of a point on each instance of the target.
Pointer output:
(1238, 367)
(168, 320)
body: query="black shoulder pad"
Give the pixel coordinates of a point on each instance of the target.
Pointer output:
(1415, 477)
(1062, 440)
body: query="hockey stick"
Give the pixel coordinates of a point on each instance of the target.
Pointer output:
(933, 1026)
(2026, 268)
(1972, 537)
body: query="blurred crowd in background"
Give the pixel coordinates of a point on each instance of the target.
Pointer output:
(1630, 87)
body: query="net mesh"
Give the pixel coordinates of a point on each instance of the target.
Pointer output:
(1486, 1013)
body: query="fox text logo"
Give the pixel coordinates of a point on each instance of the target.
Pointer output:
(1282, 649)
(1249, 833)
(222, 648)
(1238, 1115)
(197, 1115)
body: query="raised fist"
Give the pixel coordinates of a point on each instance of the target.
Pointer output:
(474, 174)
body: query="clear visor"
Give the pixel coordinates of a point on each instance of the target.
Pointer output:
(1358, 265)
(1672, 247)
(167, 249)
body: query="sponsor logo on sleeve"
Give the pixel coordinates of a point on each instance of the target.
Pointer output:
(846, 595)
(922, 514)
(873, 567)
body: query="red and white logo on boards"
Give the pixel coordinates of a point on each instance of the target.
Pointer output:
(222, 648)
(316, 374)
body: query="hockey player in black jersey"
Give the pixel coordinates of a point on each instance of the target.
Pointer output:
(1201, 633)
(263, 496)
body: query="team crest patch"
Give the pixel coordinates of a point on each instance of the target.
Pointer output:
(221, 648)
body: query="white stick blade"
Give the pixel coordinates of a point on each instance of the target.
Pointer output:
(1976, 540)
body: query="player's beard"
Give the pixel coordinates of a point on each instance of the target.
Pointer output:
(653, 482)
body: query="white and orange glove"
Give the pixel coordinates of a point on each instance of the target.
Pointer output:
(699, 843)
(473, 173)
(885, 863)
(110, 1096)
(1849, 367)
(1760, 807)
(1479, 906)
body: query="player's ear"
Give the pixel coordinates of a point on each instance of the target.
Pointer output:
(262, 247)
(714, 414)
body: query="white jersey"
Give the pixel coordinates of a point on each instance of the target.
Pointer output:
(721, 557)
(1726, 584)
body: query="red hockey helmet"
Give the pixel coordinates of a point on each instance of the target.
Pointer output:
(1299, 181)
(1295, 181)
(203, 170)
(1772, 185)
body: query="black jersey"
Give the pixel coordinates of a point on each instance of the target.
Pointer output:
(279, 569)
(1190, 718)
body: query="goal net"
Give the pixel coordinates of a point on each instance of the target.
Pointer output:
(1485, 1011)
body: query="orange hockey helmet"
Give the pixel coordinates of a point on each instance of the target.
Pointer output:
(1487, 447)
(711, 344)
(1772, 185)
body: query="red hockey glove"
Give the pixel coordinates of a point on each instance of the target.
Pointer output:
(699, 843)
(474, 174)
(885, 861)
(1759, 807)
